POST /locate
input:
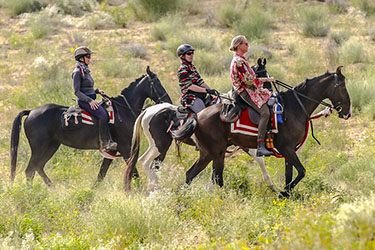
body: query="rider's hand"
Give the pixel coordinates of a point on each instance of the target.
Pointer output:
(271, 79)
(94, 105)
(211, 91)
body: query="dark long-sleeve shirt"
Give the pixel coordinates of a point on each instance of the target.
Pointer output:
(83, 83)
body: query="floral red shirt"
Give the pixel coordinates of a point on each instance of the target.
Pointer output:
(244, 79)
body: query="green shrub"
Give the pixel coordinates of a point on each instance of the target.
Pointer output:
(367, 6)
(361, 89)
(208, 62)
(338, 6)
(228, 13)
(98, 20)
(41, 27)
(17, 7)
(371, 33)
(167, 26)
(120, 14)
(157, 8)
(75, 8)
(255, 23)
(314, 21)
(353, 52)
(339, 37)
(136, 50)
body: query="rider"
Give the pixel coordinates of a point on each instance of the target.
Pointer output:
(84, 90)
(249, 89)
(193, 88)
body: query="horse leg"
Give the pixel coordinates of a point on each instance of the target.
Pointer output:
(262, 165)
(146, 160)
(288, 173)
(217, 169)
(103, 170)
(38, 160)
(198, 166)
(294, 161)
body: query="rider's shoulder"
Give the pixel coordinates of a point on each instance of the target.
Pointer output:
(239, 60)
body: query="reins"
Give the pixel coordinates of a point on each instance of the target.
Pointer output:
(127, 104)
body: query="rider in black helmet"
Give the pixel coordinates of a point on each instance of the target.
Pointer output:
(84, 90)
(194, 90)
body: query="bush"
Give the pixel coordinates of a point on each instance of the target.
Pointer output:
(339, 37)
(167, 26)
(338, 6)
(367, 6)
(208, 63)
(75, 8)
(17, 7)
(120, 14)
(41, 27)
(157, 8)
(314, 21)
(98, 20)
(256, 25)
(228, 13)
(352, 52)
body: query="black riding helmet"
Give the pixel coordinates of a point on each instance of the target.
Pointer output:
(183, 48)
(81, 52)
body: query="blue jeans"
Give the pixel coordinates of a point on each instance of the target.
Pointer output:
(99, 113)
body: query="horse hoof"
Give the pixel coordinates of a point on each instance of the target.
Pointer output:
(284, 194)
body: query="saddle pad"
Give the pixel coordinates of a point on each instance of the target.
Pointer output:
(87, 117)
(246, 127)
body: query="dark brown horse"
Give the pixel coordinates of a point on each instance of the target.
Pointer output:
(45, 134)
(213, 136)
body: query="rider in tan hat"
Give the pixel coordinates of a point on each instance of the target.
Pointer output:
(84, 89)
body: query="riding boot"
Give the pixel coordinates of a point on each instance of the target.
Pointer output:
(262, 150)
(232, 115)
(105, 140)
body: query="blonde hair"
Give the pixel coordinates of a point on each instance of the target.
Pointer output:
(237, 40)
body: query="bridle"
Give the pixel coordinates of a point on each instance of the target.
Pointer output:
(153, 91)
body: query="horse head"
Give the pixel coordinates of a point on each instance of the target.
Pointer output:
(339, 96)
(156, 91)
(260, 68)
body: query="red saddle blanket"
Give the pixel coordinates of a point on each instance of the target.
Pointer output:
(246, 127)
(87, 117)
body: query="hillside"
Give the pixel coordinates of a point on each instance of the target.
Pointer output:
(332, 207)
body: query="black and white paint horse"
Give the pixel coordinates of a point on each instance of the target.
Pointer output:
(155, 122)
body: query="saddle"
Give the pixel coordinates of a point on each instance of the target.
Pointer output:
(273, 103)
(74, 116)
(177, 118)
(71, 118)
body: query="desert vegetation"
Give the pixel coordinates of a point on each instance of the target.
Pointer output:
(332, 208)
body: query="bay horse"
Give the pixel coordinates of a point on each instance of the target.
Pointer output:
(212, 135)
(154, 122)
(45, 134)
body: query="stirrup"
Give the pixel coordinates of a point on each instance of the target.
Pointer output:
(110, 146)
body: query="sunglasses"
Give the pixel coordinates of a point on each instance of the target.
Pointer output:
(189, 53)
(88, 56)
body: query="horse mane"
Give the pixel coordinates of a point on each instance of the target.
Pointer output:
(302, 87)
(132, 85)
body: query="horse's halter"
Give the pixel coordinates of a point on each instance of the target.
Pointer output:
(338, 106)
(154, 90)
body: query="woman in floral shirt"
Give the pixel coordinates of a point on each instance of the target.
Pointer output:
(249, 89)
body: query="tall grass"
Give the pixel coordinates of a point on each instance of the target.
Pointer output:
(353, 52)
(367, 6)
(154, 9)
(314, 21)
(17, 7)
(228, 13)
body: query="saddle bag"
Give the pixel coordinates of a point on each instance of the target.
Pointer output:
(71, 118)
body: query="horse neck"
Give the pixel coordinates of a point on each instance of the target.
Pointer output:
(316, 91)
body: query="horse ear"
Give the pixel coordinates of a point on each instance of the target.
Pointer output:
(149, 72)
(338, 70)
(264, 61)
(259, 62)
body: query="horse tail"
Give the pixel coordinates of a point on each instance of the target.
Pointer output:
(186, 130)
(14, 141)
(134, 151)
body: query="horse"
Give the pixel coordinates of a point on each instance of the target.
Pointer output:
(212, 135)
(155, 121)
(45, 134)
